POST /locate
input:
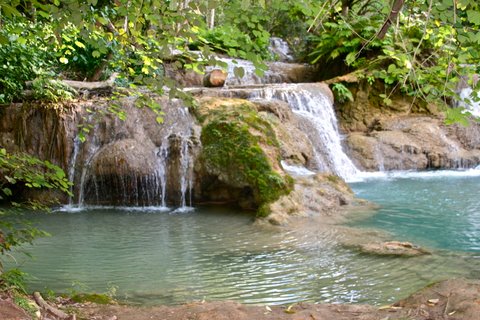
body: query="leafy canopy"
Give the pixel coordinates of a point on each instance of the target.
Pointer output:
(429, 51)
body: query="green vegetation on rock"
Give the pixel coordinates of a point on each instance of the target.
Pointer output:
(240, 146)
(92, 297)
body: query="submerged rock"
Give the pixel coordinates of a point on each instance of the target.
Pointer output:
(393, 248)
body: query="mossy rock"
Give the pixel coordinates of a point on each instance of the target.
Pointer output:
(241, 149)
(92, 297)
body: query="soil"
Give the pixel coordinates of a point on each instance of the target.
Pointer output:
(452, 299)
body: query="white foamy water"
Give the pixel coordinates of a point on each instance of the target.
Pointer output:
(309, 102)
(364, 176)
(296, 171)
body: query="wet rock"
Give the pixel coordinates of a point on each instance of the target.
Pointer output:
(393, 248)
(415, 143)
(320, 195)
(240, 155)
(127, 156)
(295, 146)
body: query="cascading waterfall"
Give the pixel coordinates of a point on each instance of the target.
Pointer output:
(124, 164)
(186, 174)
(311, 104)
(71, 169)
(161, 173)
(281, 49)
(90, 151)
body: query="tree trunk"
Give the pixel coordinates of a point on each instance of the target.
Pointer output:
(345, 7)
(97, 74)
(211, 19)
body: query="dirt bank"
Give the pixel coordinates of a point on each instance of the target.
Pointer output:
(452, 299)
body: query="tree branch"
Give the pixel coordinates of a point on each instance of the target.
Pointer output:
(397, 6)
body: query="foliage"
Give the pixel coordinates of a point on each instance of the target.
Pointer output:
(341, 92)
(13, 280)
(342, 39)
(30, 172)
(427, 52)
(231, 40)
(24, 57)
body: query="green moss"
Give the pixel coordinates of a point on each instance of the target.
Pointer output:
(92, 297)
(232, 139)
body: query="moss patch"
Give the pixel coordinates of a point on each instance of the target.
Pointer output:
(240, 146)
(92, 297)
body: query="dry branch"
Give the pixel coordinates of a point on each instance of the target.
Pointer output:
(52, 310)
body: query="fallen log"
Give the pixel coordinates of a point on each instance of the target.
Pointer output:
(52, 310)
(215, 78)
(94, 88)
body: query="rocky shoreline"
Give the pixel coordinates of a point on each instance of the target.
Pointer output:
(452, 299)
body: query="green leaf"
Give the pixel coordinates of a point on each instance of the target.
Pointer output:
(96, 54)
(351, 57)
(44, 14)
(7, 191)
(474, 17)
(239, 72)
(79, 44)
(3, 40)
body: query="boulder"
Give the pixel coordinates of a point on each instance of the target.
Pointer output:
(239, 161)
(393, 248)
(320, 195)
(134, 157)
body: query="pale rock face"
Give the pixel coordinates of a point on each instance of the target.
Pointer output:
(415, 143)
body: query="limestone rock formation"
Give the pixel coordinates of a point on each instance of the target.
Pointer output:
(406, 134)
(318, 195)
(240, 155)
(415, 143)
(393, 248)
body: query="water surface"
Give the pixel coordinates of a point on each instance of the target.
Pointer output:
(435, 210)
(156, 257)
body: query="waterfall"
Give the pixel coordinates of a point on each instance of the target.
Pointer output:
(71, 169)
(311, 104)
(186, 175)
(161, 174)
(280, 48)
(136, 162)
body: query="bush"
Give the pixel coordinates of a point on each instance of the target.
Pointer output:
(24, 57)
